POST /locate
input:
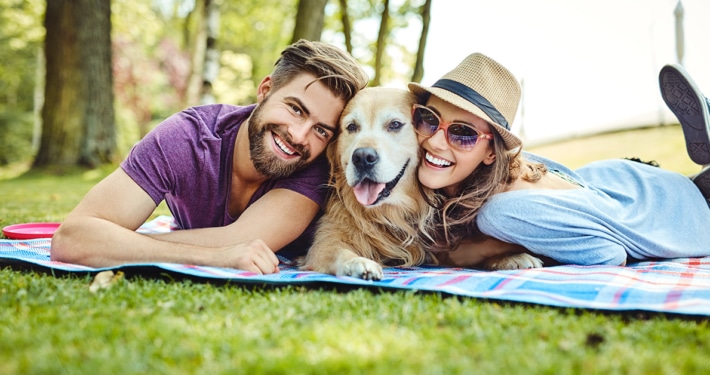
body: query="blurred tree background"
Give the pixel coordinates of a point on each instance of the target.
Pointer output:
(164, 56)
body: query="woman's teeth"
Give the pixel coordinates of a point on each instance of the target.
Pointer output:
(436, 161)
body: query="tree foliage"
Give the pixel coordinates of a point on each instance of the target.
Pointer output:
(21, 37)
(151, 63)
(253, 34)
(155, 52)
(384, 48)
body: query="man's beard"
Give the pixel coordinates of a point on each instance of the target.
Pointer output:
(265, 162)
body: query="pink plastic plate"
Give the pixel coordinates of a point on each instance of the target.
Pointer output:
(30, 230)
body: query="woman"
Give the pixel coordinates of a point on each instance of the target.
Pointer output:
(604, 213)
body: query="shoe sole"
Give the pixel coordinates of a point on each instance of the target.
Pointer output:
(702, 181)
(688, 104)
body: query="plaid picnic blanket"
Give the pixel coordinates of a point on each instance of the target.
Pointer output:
(679, 286)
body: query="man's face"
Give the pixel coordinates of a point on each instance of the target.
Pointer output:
(292, 126)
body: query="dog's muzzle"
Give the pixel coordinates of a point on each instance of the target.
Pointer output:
(368, 191)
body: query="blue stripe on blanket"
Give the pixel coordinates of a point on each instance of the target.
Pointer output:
(680, 286)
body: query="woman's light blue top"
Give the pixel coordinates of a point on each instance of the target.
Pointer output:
(624, 208)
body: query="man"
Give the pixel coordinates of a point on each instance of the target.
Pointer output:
(239, 193)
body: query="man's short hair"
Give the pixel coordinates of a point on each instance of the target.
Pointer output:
(337, 69)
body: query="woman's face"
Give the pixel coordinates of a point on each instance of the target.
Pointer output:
(444, 167)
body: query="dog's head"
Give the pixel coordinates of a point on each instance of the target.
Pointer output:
(376, 152)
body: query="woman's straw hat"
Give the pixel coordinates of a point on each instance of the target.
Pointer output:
(483, 87)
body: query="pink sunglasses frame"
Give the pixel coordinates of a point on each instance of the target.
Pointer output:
(445, 126)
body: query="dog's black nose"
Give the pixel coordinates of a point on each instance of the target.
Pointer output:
(365, 157)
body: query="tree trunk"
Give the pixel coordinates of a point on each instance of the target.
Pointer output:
(99, 143)
(309, 20)
(211, 67)
(347, 28)
(426, 20)
(198, 46)
(78, 124)
(381, 43)
(38, 100)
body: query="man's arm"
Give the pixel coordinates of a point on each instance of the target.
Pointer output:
(278, 218)
(100, 232)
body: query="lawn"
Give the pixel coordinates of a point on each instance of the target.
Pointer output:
(55, 325)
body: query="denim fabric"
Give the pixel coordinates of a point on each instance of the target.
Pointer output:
(624, 208)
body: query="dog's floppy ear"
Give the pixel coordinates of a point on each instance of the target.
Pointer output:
(332, 153)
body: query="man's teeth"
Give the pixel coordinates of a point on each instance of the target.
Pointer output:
(283, 146)
(437, 161)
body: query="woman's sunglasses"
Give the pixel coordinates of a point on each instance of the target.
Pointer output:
(458, 135)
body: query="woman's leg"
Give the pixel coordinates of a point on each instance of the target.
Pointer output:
(702, 181)
(687, 102)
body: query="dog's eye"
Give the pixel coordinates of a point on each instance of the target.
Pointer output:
(351, 127)
(395, 125)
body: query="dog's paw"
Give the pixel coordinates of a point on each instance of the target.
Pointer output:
(360, 267)
(512, 262)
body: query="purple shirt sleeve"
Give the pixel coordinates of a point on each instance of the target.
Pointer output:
(150, 162)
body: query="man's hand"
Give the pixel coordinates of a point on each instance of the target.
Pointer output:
(254, 256)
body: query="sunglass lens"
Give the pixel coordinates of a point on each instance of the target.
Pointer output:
(426, 121)
(462, 136)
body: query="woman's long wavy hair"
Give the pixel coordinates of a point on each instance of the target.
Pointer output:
(456, 217)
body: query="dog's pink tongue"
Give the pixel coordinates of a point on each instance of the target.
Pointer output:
(367, 191)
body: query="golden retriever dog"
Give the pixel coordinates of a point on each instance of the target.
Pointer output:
(378, 213)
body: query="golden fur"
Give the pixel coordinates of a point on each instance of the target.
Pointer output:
(355, 238)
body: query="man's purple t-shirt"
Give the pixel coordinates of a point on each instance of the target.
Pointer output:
(187, 161)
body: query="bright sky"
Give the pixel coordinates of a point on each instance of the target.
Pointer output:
(586, 65)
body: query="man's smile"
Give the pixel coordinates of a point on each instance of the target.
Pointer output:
(283, 146)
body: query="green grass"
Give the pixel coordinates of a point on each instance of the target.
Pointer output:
(664, 144)
(55, 325)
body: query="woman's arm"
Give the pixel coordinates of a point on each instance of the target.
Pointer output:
(472, 252)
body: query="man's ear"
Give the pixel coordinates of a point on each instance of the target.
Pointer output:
(264, 88)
